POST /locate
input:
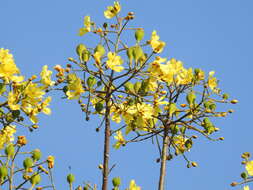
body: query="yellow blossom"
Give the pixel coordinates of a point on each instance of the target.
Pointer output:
(212, 81)
(7, 135)
(8, 68)
(13, 101)
(75, 88)
(120, 140)
(179, 144)
(156, 44)
(114, 62)
(46, 76)
(87, 26)
(249, 167)
(112, 11)
(133, 186)
(246, 187)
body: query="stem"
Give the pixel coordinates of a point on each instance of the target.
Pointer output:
(163, 160)
(106, 145)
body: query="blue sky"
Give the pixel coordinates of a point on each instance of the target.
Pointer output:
(213, 35)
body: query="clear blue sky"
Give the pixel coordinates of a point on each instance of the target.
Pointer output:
(213, 35)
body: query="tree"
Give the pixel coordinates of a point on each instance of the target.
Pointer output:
(156, 99)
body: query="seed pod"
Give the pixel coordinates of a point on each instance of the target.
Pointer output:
(15, 113)
(212, 106)
(244, 175)
(225, 96)
(10, 150)
(28, 163)
(131, 102)
(129, 87)
(190, 98)
(174, 129)
(79, 49)
(100, 49)
(182, 129)
(172, 109)
(2, 88)
(99, 83)
(65, 89)
(139, 34)
(85, 56)
(91, 81)
(9, 118)
(137, 87)
(188, 144)
(35, 179)
(99, 107)
(130, 53)
(36, 155)
(116, 182)
(3, 172)
(196, 71)
(70, 178)
(137, 53)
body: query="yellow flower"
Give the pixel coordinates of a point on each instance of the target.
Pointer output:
(75, 87)
(13, 101)
(184, 77)
(179, 144)
(43, 106)
(120, 140)
(212, 81)
(7, 135)
(87, 28)
(246, 187)
(133, 186)
(156, 44)
(114, 62)
(46, 76)
(8, 68)
(112, 11)
(249, 167)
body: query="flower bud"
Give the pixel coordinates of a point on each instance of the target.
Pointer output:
(194, 164)
(245, 155)
(139, 34)
(70, 178)
(234, 101)
(116, 182)
(100, 166)
(22, 140)
(233, 184)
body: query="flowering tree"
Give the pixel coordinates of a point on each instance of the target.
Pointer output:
(147, 97)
